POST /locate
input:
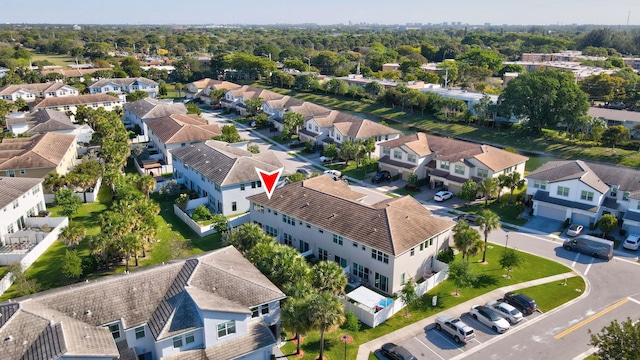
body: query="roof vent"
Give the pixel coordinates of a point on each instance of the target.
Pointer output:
(8, 338)
(87, 312)
(375, 230)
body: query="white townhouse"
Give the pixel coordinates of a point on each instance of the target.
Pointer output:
(307, 109)
(215, 305)
(138, 112)
(222, 173)
(44, 121)
(124, 85)
(318, 127)
(583, 191)
(70, 103)
(613, 117)
(32, 92)
(20, 198)
(236, 99)
(174, 131)
(355, 128)
(447, 162)
(201, 89)
(381, 245)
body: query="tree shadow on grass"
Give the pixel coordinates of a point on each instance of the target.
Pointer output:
(485, 280)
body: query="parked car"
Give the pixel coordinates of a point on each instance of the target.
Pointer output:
(459, 330)
(489, 317)
(324, 159)
(442, 196)
(395, 352)
(632, 242)
(574, 230)
(334, 174)
(522, 302)
(470, 218)
(507, 311)
(590, 245)
(306, 172)
(381, 176)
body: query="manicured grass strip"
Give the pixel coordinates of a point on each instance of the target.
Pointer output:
(490, 277)
(551, 295)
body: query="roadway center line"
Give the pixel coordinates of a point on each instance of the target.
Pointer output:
(594, 317)
(574, 260)
(430, 349)
(588, 267)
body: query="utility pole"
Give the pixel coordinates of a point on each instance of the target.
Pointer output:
(308, 63)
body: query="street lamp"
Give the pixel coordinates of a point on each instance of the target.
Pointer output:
(345, 338)
(308, 63)
(506, 244)
(267, 55)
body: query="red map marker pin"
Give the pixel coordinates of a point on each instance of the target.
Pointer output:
(269, 180)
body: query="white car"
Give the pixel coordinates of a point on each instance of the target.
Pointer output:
(632, 242)
(324, 159)
(334, 174)
(507, 311)
(442, 196)
(489, 317)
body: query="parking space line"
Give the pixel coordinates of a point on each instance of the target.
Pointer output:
(430, 349)
(634, 300)
(588, 320)
(575, 260)
(589, 266)
(448, 340)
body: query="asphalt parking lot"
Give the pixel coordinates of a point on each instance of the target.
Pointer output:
(434, 344)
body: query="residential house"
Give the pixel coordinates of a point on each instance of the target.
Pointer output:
(215, 305)
(447, 162)
(276, 113)
(138, 112)
(583, 191)
(613, 117)
(73, 73)
(276, 108)
(356, 128)
(70, 103)
(124, 85)
(38, 155)
(44, 121)
(381, 245)
(223, 173)
(236, 99)
(201, 89)
(20, 198)
(177, 130)
(33, 92)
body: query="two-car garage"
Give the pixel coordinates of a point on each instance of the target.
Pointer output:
(551, 211)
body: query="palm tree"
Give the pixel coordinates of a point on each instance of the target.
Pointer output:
(129, 244)
(53, 182)
(325, 312)
(295, 317)
(488, 221)
(179, 87)
(467, 240)
(328, 276)
(515, 182)
(147, 184)
(503, 181)
(488, 188)
(73, 234)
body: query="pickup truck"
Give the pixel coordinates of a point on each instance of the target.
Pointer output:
(459, 330)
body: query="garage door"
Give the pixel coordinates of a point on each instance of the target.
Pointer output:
(581, 219)
(551, 212)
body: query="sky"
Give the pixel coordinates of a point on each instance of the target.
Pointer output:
(323, 12)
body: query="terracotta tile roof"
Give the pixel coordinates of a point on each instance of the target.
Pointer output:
(76, 100)
(37, 151)
(226, 165)
(361, 128)
(284, 102)
(159, 296)
(178, 128)
(416, 142)
(254, 93)
(12, 188)
(149, 108)
(393, 226)
(309, 109)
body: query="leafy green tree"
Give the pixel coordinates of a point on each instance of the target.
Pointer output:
(512, 68)
(193, 108)
(604, 87)
(331, 152)
(68, 201)
(182, 201)
(306, 82)
(607, 223)
(254, 106)
(229, 134)
(325, 312)
(244, 237)
(373, 88)
(467, 240)
(617, 340)
(292, 121)
(488, 221)
(408, 295)
(72, 265)
(22, 284)
(137, 95)
(544, 98)
(296, 177)
(510, 259)
(616, 135)
(460, 274)
(201, 213)
(469, 191)
(482, 58)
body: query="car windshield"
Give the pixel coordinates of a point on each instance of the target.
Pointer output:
(493, 315)
(514, 312)
(573, 227)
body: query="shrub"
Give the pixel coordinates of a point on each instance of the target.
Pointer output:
(201, 213)
(182, 201)
(446, 255)
(351, 322)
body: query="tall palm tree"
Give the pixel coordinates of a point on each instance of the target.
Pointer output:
(325, 312)
(503, 181)
(53, 182)
(129, 244)
(488, 221)
(328, 276)
(147, 184)
(467, 241)
(295, 317)
(73, 234)
(488, 187)
(515, 182)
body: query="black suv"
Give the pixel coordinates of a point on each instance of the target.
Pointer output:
(522, 302)
(381, 176)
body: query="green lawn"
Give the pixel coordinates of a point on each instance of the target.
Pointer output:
(490, 277)
(405, 191)
(551, 295)
(506, 212)
(350, 170)
(62, 60)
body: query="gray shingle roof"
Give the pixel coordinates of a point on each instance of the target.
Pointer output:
(149, 108)
(226, 165)
(393, 227)
(12, 188)
(121, 82)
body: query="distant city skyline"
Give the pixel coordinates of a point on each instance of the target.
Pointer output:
(325, 12)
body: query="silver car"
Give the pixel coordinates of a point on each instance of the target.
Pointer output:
(507, 311)
(489, 317)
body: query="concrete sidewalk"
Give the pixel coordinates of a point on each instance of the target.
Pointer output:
(419, 327)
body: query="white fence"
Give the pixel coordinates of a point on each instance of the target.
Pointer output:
(26, 259)
(163, 169)
(86, 197)
(373, 318)
(207, 229)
